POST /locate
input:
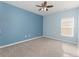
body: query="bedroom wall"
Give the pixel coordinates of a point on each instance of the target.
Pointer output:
(52, 26)
(17, 24)
(78, 28)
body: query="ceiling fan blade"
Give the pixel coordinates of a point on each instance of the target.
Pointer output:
(50, 6)
(45, 3)
(38, 6)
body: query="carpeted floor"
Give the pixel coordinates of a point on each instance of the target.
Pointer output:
(42, 47)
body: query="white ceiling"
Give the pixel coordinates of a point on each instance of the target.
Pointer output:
(58, 6)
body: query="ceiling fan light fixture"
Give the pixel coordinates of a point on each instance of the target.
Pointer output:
(44, 6)
(43, 9)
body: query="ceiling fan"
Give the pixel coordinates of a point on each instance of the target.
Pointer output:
(44, 6)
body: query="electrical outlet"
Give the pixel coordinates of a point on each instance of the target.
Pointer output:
(29, 35)
(25, 36)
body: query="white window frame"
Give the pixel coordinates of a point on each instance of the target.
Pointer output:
(71, 25)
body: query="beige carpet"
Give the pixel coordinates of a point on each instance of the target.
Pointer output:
(42, 47)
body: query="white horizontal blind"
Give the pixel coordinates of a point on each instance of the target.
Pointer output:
(67, 26)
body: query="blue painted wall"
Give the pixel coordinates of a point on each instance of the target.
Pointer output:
(15, 23)
(78, 27)
(52, 25)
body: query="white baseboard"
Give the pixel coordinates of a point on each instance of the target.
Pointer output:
(19, 42)
(29, 40)
(58, 39)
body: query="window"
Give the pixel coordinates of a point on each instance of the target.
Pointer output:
(67, 26)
